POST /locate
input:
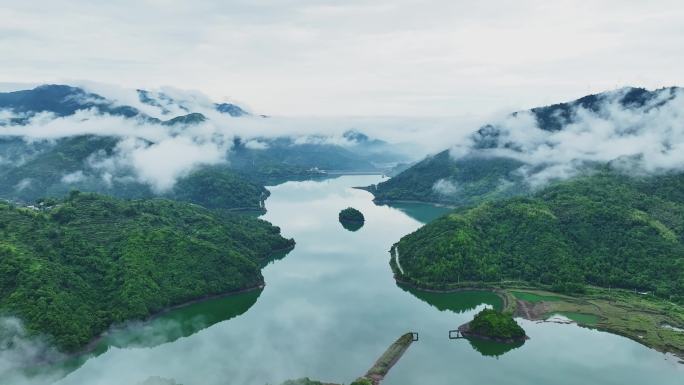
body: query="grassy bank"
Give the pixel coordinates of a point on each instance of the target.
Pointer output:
(646, 319)
(641, 318)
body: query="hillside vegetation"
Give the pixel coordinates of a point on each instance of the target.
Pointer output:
(72, 270)
(605, 230)
(44, 170)
(491, 163)
(463, 182)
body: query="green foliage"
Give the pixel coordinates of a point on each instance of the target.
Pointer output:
(90, 261)
(605, 230)
(471, 180)
(351, 214)
(362, 381)
(219, 188)
(495, 324)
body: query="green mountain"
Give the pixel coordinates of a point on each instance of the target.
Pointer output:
(441, 179)
(72, 268)
(605, 230)
(490, 166)
(53, 169)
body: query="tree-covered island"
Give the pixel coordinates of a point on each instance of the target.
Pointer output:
(493, 325)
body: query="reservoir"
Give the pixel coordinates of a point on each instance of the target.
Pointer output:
(330, 307)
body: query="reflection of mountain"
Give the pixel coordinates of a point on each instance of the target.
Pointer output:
(351, 226)
(277, 256)
(457, 302)
(182, 322)
(492, 348)
(422, 212)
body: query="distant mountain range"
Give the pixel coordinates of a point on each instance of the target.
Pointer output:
(64, 100)
(52, 166)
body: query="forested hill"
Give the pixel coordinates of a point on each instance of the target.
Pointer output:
(605, 230)
(441, 179)
(72, 268)
(54, 169)
(492, 164)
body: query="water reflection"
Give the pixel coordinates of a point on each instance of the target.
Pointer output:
(351, 226)
(169, 326)
(456, 302)
(492, 348)
(182, 322)
(422, 212)
(466, 301)
(277, 256)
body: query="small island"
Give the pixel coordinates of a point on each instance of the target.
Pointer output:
(493, 325)
(351, 219)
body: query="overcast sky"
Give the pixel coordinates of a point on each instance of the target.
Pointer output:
(351, 57)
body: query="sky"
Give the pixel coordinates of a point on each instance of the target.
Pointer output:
(352, 57)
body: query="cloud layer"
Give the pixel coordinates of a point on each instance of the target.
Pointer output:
(385, 57)
(636, 139)
(157, 154)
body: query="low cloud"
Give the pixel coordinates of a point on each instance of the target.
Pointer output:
(23, 184)
(161, 164)
(157, 154)
(637, 139)
(20, 350)
(74, 177)
(445, 187)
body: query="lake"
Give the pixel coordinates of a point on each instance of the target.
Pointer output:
(331, 307)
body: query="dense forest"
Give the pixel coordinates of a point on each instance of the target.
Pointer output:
(351, 214)
(606, 230)
(73, 267)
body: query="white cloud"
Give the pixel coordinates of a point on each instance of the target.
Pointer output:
(23, 184)
(445, 187)
(647, 139)
(307, 57)
(161, 164)
(74, 177)
(158, 154)
(256, 145)
(19, 349)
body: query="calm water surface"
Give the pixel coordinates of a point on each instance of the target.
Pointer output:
(331, 307)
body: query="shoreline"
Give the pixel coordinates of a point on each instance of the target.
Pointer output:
(512, 304)
(501, 293)
(390, 201)
(90, 347)
(92, 344)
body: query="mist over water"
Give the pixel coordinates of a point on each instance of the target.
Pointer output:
(331, 307)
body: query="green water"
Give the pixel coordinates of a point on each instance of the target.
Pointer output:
(331, 307)
(582, 318)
